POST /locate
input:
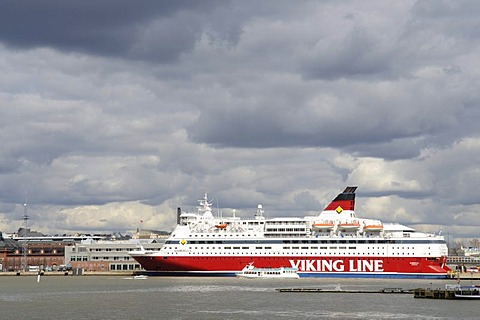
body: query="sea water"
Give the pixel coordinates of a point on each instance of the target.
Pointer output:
(116, 297)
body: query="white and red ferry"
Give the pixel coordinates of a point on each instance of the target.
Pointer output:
(335, 243)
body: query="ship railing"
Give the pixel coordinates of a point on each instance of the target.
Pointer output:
(285, 235)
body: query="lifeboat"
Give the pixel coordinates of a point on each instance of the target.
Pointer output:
(373, 227)
(349, 225)
(221, 226)
(323, 225)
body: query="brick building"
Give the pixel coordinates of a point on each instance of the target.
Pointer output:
(47, 252)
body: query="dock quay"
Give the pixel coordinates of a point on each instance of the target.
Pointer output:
(70, 273)
(319, 290)
(433, 293)
(450, 292)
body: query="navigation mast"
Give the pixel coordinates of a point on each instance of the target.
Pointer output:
(24, 243)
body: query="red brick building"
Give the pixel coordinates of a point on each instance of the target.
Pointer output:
(48, 256)
(16, 255)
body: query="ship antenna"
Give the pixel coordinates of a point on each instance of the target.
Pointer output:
(219, 212)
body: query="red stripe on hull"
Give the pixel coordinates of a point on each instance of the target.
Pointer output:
(304, 264)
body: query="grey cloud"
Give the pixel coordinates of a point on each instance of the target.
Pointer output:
(144, 29)
(357, 55)
(266, 102)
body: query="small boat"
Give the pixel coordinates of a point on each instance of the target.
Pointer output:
(140, 277)
(221, 226)
(349, 225)
(467, 292)
(250, 272)
(323, 225)
(373, 227)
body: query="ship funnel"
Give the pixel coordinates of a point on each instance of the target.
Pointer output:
(344, 201)
(179, 212)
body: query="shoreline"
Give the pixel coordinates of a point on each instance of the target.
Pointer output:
(65, 274)
(453, 276)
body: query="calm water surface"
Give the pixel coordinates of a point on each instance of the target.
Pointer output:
(109, 297)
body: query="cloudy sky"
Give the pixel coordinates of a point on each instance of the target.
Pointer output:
(117, 111)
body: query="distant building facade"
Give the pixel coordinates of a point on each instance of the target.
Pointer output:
(33, 249)
(150, 234)
(6, 246)
(17, 254)
(104, 255)
(87, 252)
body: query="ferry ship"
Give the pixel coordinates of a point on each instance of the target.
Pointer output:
(334, 243)
(250, 272)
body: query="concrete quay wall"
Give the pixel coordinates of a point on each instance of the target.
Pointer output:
(69, 273)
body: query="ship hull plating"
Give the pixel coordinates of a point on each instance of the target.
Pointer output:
(308, 266)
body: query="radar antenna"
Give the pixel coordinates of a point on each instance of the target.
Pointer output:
(259, 213)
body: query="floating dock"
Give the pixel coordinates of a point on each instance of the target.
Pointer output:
(319, 290)
(433, 293)
(450, 292)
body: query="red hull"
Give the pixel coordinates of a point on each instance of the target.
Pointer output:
(307, 266)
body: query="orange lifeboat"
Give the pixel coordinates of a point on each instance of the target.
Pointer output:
(373, 227)
(323, 225)
(221, 226)
(349, 225)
